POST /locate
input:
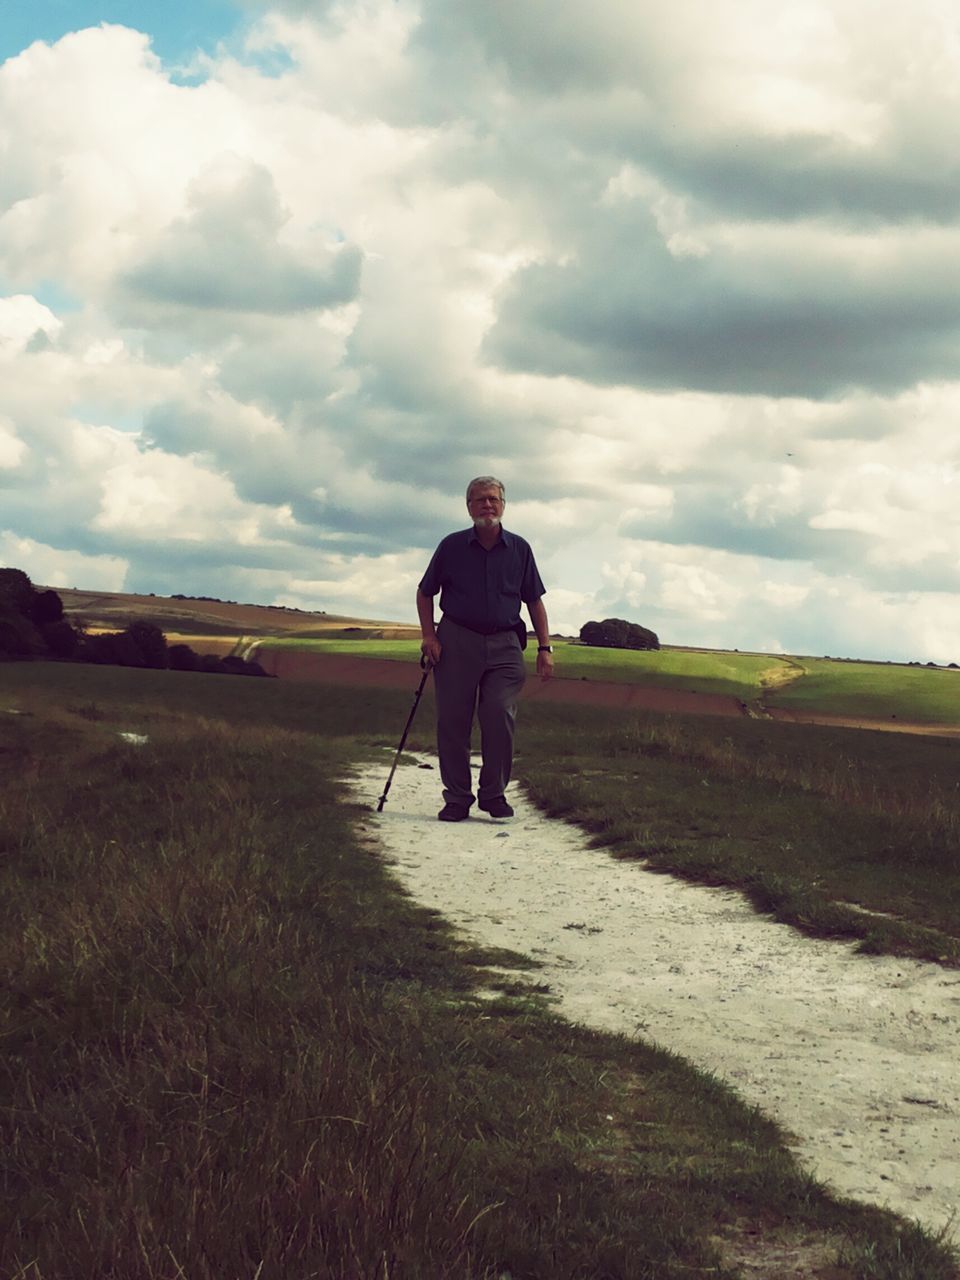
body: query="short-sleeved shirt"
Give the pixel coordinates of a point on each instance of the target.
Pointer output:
(483, 589)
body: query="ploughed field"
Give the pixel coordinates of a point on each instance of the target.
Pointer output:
(874, 695)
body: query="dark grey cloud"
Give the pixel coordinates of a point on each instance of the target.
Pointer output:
(628, 312)
(184, 273)
(284, 370)
(704, 518)
(614, 84)
(362, 482)
(541, 48)
(226, 255)
(793, 179)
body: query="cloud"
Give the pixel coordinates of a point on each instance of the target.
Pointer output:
(226, 253)
(62, 567)
(25, 322)
(692, 596)
(685, 278)
(12, 449)
(798, 315)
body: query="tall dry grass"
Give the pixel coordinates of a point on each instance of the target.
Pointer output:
(896, 777)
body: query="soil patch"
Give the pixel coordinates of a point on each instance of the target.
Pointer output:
(891, 725)
(387, 673)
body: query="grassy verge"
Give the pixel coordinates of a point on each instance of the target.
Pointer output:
(233, 1049)
(841, 832)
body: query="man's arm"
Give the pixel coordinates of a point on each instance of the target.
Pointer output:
(429, 644)
(538, 616)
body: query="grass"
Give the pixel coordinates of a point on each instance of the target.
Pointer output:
(922, 695)
(881, 691)
(233, 1048)
(741, 675)
(396, 650)
(841, 832)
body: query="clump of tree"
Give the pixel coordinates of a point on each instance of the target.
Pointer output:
(142, 644)
(615, 633)
(32, 625)
(183, 658)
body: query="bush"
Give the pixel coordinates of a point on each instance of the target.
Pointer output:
(46, 607)
(19, 638)
(180, 657)
(61, 639)
(33, 623)
(112, 648)
(151, 644)
(16, 591)
(616, 633)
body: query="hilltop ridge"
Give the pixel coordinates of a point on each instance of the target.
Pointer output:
(195, 615)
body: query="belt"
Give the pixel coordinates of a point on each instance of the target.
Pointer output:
(480, 631)
(519, 630)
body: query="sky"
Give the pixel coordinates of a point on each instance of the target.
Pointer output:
(276, 281)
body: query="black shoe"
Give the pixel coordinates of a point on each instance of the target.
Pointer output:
(454, 813)
(497, 807)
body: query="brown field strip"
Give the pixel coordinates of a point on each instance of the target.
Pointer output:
(299, 664)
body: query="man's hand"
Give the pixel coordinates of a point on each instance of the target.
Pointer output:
(429, 645)
(544, 665)
(538, 616)
(430, 649)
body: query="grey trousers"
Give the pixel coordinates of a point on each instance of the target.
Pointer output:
(480, 675)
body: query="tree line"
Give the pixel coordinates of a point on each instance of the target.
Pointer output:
(33, 625)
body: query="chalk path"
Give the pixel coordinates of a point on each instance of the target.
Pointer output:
(856, 1056)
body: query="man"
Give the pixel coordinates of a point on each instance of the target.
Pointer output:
(482, 573)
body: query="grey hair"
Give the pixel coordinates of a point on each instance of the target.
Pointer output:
(477, 481)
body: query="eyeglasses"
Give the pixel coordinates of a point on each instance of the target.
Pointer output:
(498, 502)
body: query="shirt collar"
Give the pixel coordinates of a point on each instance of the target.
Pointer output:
(505, 537)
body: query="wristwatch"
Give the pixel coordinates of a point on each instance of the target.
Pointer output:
(545, 648)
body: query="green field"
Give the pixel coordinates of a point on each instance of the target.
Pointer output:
(882, 691)
(740, 675)
(233, 1048)
(875, 690)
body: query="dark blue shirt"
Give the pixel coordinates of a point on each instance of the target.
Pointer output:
(483, 589)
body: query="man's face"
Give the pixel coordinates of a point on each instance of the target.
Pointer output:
(485, 506)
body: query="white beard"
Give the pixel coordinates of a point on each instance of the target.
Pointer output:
(486, 522)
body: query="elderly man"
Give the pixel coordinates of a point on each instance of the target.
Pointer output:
(482, 573)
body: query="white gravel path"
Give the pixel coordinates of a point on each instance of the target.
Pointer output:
(856, 1056)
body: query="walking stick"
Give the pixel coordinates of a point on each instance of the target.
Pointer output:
(413, 711)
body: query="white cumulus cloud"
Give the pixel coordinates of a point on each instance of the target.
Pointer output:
(684, 276)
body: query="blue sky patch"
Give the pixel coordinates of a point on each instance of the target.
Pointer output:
(178, 28)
